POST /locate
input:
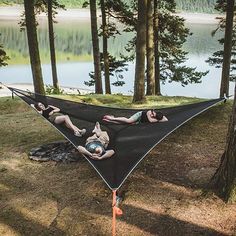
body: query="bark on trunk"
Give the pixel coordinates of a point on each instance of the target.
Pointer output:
(33, 47)
(140, 52)
(225, 177)
(105, 49)
(96, 51)
(52, 46)
(150, 50)
(224, 88)
(156, 50)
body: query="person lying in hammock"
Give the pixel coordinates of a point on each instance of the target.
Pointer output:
(150, 116)
(96, 145)
(53, 114)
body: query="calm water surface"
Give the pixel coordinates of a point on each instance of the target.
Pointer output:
(74, 50)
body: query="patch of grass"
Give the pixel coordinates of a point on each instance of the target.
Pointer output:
(9, 106)
(122, 101)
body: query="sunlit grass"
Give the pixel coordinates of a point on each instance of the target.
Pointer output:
(126, 101)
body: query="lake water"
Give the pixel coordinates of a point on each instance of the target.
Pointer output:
(74, 49)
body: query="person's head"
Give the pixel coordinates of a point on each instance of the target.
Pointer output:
(39, 106)
(156, 114)
(99, 151)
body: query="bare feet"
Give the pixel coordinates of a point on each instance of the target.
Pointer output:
(96, 128)
(80, 133)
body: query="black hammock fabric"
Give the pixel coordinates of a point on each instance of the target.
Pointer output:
(131, 143)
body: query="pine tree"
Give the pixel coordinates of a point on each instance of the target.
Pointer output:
(140, 52)
(150, 49)
(96, 52)
(170, 34)
(3, 56)
(52, 5)
(105, 47)
(31, 28)
(225, 178)
(229, 42)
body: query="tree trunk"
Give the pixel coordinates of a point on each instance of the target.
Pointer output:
(52, 46)
(156, 49)
(105, 50)
(150, 50)
(225, 177)
(96, 51)
(33, 47)
(140, 52)
(224, 88)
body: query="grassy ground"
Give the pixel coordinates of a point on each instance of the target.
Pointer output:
(165, 195)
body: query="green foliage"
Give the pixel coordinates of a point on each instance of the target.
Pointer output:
(172, 34)
(207, 6)
(182, 5)
(217, 57)
(116, 67)
(51, 90)
(3, 56)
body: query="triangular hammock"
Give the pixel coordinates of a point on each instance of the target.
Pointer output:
(131, 143)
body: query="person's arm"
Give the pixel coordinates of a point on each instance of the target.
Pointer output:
(40, 112)
(107, 154)
(84, 151)
(55, 109)
(153, 120)
(164, 119)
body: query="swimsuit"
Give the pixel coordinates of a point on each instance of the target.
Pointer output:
(91, 146)
(51, 117)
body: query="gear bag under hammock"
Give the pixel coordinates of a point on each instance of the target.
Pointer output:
(131, 143)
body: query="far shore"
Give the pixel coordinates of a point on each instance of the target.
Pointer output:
(14, 13)
(5, 92)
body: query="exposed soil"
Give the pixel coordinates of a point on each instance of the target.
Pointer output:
(166, 195)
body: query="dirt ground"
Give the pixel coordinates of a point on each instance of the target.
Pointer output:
(166, 195)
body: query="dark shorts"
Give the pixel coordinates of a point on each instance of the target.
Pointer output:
(54, 115)
(91, 147)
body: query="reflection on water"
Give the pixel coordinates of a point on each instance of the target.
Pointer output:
(73, 43)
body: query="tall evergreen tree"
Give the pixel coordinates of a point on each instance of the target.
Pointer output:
(224, 88)
(52, 44)
(156, 49)
(140, 52)
(150, 49)
(225, 178)
(170, 35)
(226, 58)
(96, 52)
(31, 29)
(105, 47)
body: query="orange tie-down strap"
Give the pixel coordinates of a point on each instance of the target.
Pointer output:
(116, 212)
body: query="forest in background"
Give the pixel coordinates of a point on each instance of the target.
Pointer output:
(205, 6)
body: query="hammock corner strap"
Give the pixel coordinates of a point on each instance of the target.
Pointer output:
(131, 143)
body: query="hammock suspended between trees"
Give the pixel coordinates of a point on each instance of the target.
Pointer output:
(131, 143)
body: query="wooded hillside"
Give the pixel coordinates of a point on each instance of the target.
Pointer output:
(182, 5)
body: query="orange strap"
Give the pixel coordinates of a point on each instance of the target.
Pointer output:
(114, 213)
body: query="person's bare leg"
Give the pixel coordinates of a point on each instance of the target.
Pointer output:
(97, 129)
(120, 119)
(66, 120)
